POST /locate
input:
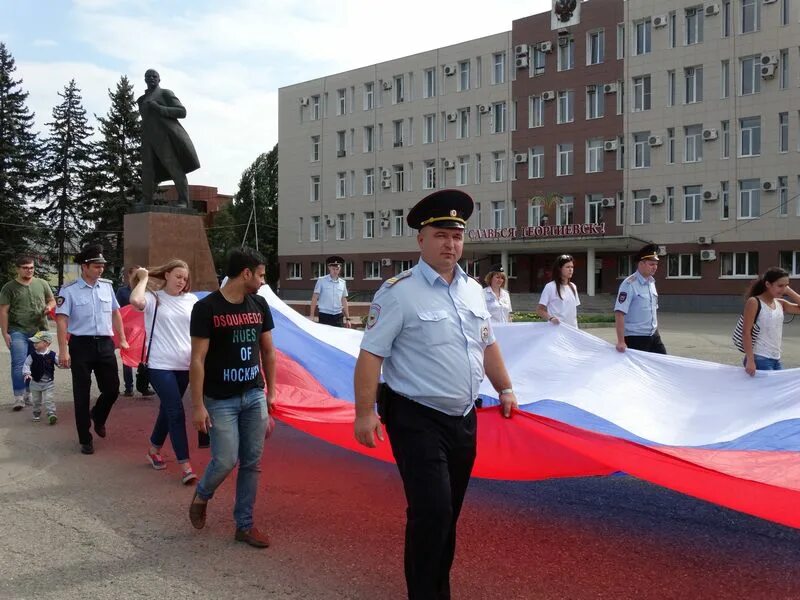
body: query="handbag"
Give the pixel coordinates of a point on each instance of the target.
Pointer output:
(738, 331)
(142, 372)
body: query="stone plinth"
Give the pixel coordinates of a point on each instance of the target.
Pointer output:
(154, 238)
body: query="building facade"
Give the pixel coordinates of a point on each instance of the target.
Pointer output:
(587, 133)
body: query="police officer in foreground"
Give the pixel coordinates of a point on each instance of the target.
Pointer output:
(88, 311)
(429, 328)
(331, 294)
(635, 312)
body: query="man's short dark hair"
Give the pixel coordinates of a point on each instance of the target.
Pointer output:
(240, 259)
(24, 259)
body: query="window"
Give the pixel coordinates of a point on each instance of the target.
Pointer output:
(692, 202)
(402, 265)
(315, 108)
(538, 63)
(641, 93)
(369, 138)
(462, 129)
(294, 270)
(428, 129)
(751, 75)
(399, 178)
(477, 170)
(498, 166)
(498, 68)
(341, 227)
(535, 111)
(670, 145)
(463, 76)
(462, 170)
(498, 213)
(641, 150)
(641, 207)
(738, 264)
(727, 18)
(669, 202)
(751, 15)
(369, 225)
(397, 133)
(565, 159)
(429, 175)
(595, 47)
(672, 31)
(341, 101)
(671, 93)
(783, 132)
(369, 182)
(594, 155)
(315, 228)
(595, 105)
(341, 143)
(790, 261)
(566, 105)
(621, 41)
(341, 184)
(429, 83)
(499, 117)
(620, 211)
(642, 37)
(534, 213)
(725, 142)
(566, 53)
(315, 188)
(783, 74)
(694, 25)
(683, 266)
(317, 270)
(750, 128)
(594, 208)
(399, 89)
(624, 267)
(397, 222)
(566, 210)
(749, 198)
(693, 147)
(693, 77)
(783, 196)
(314, 148)
(725, 79)
(369, 96)
(784, 12)
(536, 162)
(724, 201)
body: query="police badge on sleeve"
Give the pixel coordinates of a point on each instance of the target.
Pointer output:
(372, 317)
(484, 333)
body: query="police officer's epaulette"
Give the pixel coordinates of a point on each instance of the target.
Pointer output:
(631, 278)
(104, 280)
(399, 277)
(66, 285)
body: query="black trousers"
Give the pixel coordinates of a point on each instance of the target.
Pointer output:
(90, 353)
(335, 320)
(434, 454)
(648, 343)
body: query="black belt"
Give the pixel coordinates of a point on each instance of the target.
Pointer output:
(90, 337)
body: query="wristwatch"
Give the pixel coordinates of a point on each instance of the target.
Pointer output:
(506, 391)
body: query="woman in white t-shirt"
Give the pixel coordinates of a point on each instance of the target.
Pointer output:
(559, 301)
(764, 307)
(163, 295)
(498, 301)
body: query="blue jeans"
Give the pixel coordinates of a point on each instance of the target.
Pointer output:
(20, 348)
(767, 364)
(238, 427)
(170, 387)
(127, 376)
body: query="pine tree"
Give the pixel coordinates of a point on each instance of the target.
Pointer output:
(65, 169)
(19, 165)
(115, 183)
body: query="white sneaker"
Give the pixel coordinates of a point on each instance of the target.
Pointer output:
(19, 403)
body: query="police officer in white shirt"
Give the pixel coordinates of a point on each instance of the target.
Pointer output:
(88, 311)
(430, 330)
(636, 309)
(330, 293)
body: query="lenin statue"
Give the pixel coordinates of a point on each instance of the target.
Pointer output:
(167, 151)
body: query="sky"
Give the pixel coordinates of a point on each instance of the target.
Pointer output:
(226, 61)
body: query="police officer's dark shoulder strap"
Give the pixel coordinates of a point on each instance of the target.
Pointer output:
(399, 277)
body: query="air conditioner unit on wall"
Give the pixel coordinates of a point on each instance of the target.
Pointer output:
(521, 157)
(386, 184)
(704, 240)
(610, 145)
(768, 185)
(386, 262)
(655, 140)
(767, 71)
(449, 70)
(331, 222)
(711, 10)
(707, 255)
(521, 62)
(710, 195)
(452, 116)
(546, 46)
(608, 202)
(304, 101)
(662, 250)
(484, 108)
(386, 174)
(384, 223)
(521, 50)
(549, 95)
(385, 214)
(710, 134)
(449, 164)
(770, 58)
(610, 88)
(660, 21)
(656, 199)
(387, 85)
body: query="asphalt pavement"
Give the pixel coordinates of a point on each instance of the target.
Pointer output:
(109, 526)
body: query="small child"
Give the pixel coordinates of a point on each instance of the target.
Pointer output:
(39, 369)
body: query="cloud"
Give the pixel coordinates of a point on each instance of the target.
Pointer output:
(45, 43)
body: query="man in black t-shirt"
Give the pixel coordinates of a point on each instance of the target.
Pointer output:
(232, 352)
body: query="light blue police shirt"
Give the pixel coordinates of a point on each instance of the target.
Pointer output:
(88, 307)
(330, 294)
(638, 299)
(432, 336)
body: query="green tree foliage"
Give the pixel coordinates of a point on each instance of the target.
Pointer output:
(19, 165)
(116, 180)
(65, 168)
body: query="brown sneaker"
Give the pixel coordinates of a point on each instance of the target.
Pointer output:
(253, 537)
(197, 513)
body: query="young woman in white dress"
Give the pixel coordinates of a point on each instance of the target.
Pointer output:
(559, 301)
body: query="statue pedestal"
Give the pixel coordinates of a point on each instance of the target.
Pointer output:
(154, 238)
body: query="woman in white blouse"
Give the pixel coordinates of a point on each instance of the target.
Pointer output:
(559, 301)
(498, 301)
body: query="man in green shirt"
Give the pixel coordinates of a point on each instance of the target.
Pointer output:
(24, 303)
